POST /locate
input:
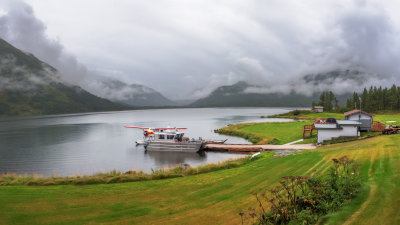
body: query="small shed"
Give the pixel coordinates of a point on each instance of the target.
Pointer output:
(364, 118)
(318, 109)
(336, 128)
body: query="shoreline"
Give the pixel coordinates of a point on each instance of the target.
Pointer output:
(263, 143)
(216, 195)
(114, 176)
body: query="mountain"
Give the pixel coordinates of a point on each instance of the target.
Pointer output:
(237, 96)
(329, 78)
(29, 86)
(130, 94)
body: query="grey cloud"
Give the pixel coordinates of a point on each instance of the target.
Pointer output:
(20, 27)
(195, 47)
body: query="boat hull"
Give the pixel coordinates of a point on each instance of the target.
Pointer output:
(174, 147)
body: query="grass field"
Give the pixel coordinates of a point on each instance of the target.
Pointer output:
(308, 115)
(212, 198)
(388, 117)
(270, 133)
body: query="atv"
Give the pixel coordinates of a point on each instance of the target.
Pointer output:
(393, 129)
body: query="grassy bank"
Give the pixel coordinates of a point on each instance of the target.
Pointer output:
(215, 197)
(307, 115)
(120, 177)
(269, 133)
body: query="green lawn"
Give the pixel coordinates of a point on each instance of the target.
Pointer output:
(308, 115)
(388, 117)
(284, 132)
(212, 198)
(269, 133)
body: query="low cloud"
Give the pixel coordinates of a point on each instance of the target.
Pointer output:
(195, 47)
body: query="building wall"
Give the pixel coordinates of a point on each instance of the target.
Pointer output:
(318, 110)
(365, 120)
(328, 134)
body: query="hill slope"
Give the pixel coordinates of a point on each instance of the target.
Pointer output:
(131, 94)
(29, 86)
(236, 95)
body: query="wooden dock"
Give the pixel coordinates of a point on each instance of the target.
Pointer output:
(256, 148)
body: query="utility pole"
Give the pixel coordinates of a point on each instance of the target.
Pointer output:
(359, 114)
(359, 118)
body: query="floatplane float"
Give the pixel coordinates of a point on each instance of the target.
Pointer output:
(169, 139)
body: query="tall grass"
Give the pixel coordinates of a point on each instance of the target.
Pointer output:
(115, 176)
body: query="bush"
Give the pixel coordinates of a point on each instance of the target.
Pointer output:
(296, 112)
(303, 200)
(339, 140)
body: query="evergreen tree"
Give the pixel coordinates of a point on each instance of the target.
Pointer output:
(392, 98)
(356, 100)
(364, 99)
(328, 100)
(349, 103)
(374, 99)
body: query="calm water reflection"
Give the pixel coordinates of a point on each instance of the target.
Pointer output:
(93, 142)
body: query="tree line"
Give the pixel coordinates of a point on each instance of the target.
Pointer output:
(373, 99)
(328, 100)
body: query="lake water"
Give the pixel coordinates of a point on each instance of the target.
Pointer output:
(87, 143)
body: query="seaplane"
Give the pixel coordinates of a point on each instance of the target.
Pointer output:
(168, 139)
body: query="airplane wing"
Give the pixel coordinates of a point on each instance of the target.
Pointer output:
(170, 128)
(159, 128)
(137, 127)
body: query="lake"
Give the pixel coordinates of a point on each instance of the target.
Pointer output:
(87, 143)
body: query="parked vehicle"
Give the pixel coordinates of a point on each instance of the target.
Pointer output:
(391, 129)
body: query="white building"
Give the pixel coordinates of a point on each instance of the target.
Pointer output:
(339, 128)
(364, 118)
(318, 109)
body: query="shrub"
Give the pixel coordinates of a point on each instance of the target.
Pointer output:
(339, 140)
(302, 199)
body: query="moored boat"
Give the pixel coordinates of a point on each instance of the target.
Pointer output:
(169, 139)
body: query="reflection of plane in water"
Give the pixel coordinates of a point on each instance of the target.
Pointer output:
(175, 157)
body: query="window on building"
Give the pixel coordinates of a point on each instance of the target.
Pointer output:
(161, 136)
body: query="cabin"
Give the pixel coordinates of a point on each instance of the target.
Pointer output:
(332, 128)
(364, 118)
(318, 109)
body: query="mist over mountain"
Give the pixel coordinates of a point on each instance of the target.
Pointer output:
(341, 46)
(242, 94)
(129, 94)
(29, 86)
(197, 48)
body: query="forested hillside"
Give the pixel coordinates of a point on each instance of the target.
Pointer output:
(29, 86)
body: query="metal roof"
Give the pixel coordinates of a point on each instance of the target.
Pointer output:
(355, 111)
(336, 125)
(325, 125)
(348, 122)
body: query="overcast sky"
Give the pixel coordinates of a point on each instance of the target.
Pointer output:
(187, 48)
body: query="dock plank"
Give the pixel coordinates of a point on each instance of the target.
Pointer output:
(256, 148)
